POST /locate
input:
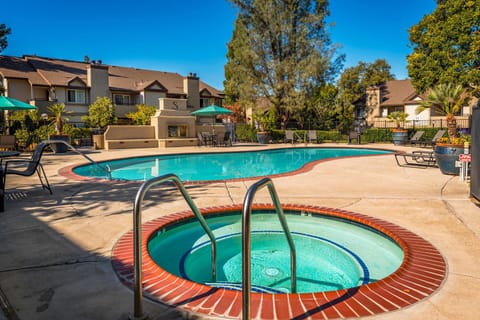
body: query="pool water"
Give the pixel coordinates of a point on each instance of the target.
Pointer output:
(219, 166)
(332, 253)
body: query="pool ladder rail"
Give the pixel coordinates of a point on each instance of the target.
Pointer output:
(246, 238)
(137, 237)
(246, 243)
(106, 169)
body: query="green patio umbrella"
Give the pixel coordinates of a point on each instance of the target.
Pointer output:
(212, 110)
(10, 104)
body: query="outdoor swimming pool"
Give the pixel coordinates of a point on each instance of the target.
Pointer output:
(219, 165)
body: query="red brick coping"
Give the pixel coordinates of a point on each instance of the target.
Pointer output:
(421, 273)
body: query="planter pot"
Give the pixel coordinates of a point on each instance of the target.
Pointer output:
(263, 137)
(59, 147)
(447, 155)
(399, 137)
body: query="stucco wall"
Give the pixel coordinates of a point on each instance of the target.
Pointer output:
(19, 89)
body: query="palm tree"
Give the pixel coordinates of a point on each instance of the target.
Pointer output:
(446, 99)
(58, 110)
(399, 117)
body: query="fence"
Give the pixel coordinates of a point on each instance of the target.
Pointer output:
(462, 123)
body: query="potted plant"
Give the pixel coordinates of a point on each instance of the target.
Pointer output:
(101, 113)
(447, 99)
(265, 121)
(58, 111)
(399, 134)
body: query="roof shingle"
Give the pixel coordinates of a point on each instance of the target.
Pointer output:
(59, 72)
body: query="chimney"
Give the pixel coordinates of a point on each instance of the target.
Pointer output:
(191, 87)
(97, 81)
(373, 100)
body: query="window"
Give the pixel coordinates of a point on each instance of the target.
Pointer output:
(121, 99)
(75, 96)
(177, 131)
(396, 109)
(203, 102)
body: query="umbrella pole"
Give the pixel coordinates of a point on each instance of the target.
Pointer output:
(7, 127)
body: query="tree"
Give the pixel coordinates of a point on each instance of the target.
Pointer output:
(320, 112)
(144, 114)
(279, 50)
(446, 99)
(58, 111)
(101, 113)
(446, 46)
(353, 84)
(4, 32)
(399, 117)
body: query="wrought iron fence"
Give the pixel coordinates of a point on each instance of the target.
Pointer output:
(432, 123)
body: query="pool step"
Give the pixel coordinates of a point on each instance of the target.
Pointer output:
(238, 287)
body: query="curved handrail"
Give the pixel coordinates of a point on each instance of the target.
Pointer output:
(106, 169)
(246, 250)
(137, 230)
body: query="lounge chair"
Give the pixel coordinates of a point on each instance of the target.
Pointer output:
(27, 167)
(312, 136)
(435, 138)
(415, 139)
(421, 159)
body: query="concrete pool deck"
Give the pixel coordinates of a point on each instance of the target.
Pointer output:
(55, 249)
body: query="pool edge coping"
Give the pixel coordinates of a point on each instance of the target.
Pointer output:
(420, 275)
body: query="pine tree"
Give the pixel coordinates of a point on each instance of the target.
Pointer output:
(279, 50)
(4, 32)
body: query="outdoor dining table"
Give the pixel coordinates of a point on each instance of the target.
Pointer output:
(4, 154)
(210, 139)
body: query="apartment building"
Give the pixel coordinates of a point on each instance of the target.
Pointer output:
(43, 81)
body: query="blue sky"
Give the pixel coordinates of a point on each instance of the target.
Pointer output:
(192, 35)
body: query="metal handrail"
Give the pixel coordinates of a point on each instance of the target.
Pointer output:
(137, 230)
(246, 250)
(106, 169)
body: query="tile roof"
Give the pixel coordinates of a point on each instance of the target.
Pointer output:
(397, 92)
(59, 72)
(12, 67)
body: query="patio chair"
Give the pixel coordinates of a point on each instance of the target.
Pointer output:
(353, 136)
(435, 138)
(201, 140)
(291, 136)
(416, 138)
(288, 136)
(8, 142)
(27, 167)
(209, 139)
(312, 136)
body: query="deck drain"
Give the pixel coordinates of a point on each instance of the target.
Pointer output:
(271, 272)
(15, 195)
